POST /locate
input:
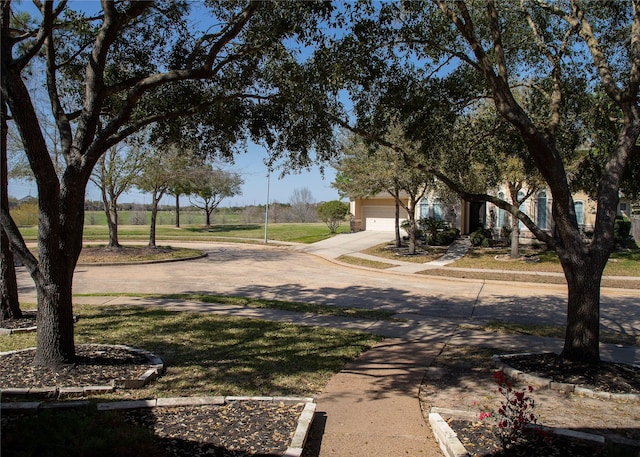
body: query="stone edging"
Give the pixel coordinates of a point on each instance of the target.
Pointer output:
(13, 331)
(452, 447)
(295, 446)
(546, 383)
(156, 367)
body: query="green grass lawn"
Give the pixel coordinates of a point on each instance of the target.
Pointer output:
(217, 355)
(621, 263)
(557, 331)
(205, 355)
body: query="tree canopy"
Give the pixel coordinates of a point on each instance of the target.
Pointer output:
(426, 64)
(114, 68)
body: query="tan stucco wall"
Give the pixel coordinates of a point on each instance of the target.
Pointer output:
(359, 205)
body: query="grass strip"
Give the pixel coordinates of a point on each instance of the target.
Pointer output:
(299, 307)
(623, 262)
(423, 254)
(557, 331)
(127, 254)
(351, 260)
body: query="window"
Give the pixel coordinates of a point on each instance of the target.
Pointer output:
(424, 208)
(579, 207)
(500, 221)
(623, 209)
(541, 219)
(438, 210)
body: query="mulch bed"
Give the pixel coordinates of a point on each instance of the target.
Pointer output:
(243, 428)
(27, 320)
(605, 377)
(480, 439)
(96, 366)
(236, 429)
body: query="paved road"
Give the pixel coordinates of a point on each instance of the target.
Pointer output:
(287, 273)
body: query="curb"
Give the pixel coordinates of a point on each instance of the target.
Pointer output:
(294, 449)
(446, 437)
(156, 367)
(547, 383)
(143, 262)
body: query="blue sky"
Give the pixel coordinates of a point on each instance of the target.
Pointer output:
(251, 167)
(254, 172)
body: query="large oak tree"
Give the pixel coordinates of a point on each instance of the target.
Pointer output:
(420, 61)
(122, 66)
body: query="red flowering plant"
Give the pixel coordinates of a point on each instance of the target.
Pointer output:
(515, 412)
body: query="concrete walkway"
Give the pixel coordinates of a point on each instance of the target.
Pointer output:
(371, 407)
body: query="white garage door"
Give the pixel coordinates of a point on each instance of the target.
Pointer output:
(380, 218)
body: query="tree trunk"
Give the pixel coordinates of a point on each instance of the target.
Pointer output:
(177, 210)
(59, 247)
(207, 213)
(9, 306)
(582, 337)
(152, 228)
(515, 237)
(412, 228)
(397, 225)
(154, 216)
(109, 200)
(112, 222)
(514, 190)
(55, 319)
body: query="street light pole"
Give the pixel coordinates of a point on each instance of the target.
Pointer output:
(266, 213)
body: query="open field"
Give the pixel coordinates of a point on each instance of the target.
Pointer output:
(288, 232)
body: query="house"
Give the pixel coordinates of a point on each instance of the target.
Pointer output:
(377, 213)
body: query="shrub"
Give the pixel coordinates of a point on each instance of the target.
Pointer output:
(481, 237)
(406, 226)
(25, 214)
(333, 213)
(621, 229)
(505, 233)
(432, 226)
(446, 237)
(515, 412)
